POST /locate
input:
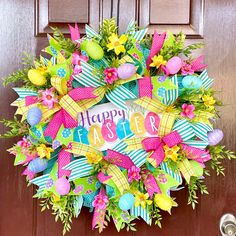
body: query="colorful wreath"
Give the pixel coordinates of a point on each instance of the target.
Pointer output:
(115, 123)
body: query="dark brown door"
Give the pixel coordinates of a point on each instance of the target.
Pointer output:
(23, 27)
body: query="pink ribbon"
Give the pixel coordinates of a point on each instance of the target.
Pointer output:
(118, 159)
(150, 183)
(157, 43)
(74, 32)
(155, 145)
(29, 100)
(64, 159)
(145, 87)
(197, 64)
(63, 117)
(29, 173)
(103, 178)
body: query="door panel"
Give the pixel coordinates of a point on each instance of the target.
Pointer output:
(23, 27)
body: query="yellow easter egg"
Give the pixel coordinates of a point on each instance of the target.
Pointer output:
(36, 77)
(95, 136)
(164, 202)
(137, 124)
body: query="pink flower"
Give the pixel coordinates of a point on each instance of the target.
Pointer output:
(111, 75)
(186, 69)
(100, 201)
(48, 97)
(133, 173)
(76, 61)
(24, 143)
(188, 111)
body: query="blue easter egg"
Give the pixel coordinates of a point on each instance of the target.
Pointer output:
(38, 165)
(81, 135)
(34, 116)
(123, 128)
(191, 82)
(126, 201)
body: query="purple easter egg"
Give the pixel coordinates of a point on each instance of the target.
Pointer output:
(34, 116)
(38, 165)
(62, 186)
(215, 136)
(174, 65)
(126, 70)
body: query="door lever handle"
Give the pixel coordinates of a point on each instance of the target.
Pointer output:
(228, 225)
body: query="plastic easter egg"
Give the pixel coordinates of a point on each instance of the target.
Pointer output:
(191, 82)
(34, 116)
(215, 136)
(126, 201)
(38, 165)
(62, 186)
(94, 50)
(36, 77)
(174, 65)
(126, 70)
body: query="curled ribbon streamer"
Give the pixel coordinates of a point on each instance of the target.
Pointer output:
(150, 183)
(67, 115)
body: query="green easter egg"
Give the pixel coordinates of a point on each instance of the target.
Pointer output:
(83, 45)
(94, 50)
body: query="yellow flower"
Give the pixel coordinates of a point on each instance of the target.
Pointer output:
(56, 198)
(142, 199)
(44, 151)
(93, 158)
(171, 153)
(157, 61)
(116, 43)
(208, 101)
(164, 202)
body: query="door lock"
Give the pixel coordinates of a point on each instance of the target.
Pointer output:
(228, 225)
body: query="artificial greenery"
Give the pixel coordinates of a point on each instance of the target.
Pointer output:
(108, 27)
(16, 127)
(156, 215)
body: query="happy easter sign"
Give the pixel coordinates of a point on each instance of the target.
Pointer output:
(104, 125)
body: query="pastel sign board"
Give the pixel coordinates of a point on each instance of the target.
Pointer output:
(104, 125)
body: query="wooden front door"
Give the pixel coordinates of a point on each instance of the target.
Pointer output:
(23, 27)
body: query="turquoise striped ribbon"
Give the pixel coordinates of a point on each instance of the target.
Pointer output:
(78, 203)
(118, 96)
(139, 35)
(24, 92)
(131, 27)
(184, 129)
(91, 33)
(79, 168)
(206, 81)
(88, 77)
(201, 130)
(172, 94)
(41, 181)
(143, 213)
(174, 174)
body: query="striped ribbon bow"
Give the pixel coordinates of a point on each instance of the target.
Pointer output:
(68, 113)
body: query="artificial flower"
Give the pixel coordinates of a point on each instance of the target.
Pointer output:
(93, 158)
(44, 151)
(111, 75)
(187, 111)
(133, 173)
(24, 143)
(186, 69)
(157, 61)
(164, 202)
(100, 201)
(117, 43)
(171, 153)
(76, 61)
(142, 199)
(208, 101)
(48, 97)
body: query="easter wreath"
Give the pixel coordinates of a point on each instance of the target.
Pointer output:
(115, 123)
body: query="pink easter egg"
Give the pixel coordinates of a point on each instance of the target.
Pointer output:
(174, 65)
(109, 131)
(215, 136)
(152, 121)
(62, 186)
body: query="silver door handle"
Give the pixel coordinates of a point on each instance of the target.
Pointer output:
(228, 225)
